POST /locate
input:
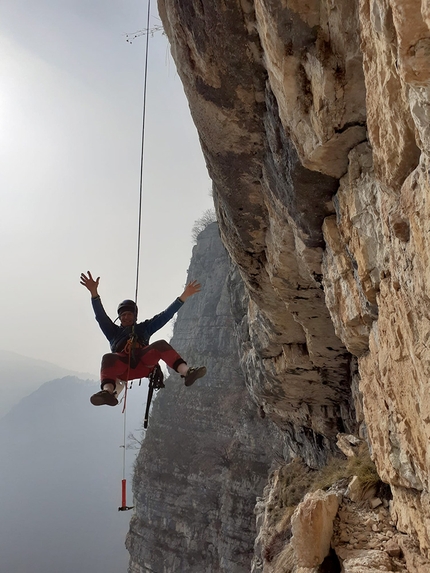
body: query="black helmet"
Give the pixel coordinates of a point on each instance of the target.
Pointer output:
(127, 306)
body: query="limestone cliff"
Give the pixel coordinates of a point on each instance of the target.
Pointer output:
(270, 204)
(206, 453)
(314, 120)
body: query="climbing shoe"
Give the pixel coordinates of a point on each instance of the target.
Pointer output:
(193, 374)
(103, 397)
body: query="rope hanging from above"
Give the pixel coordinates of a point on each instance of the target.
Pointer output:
(124, 506)
(142, 153)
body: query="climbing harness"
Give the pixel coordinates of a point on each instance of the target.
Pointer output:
(124, 506)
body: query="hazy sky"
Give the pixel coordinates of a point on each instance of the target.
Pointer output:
(70, 123)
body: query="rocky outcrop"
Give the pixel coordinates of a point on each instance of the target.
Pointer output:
(206, 453)
(314, 121)
(334, 531)
(312, 528)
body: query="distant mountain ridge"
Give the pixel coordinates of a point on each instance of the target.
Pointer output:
(21, 375)
(61, 471)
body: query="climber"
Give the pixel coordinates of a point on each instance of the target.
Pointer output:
(132, 356)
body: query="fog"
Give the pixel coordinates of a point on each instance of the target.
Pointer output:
(61, 475)
(71, 109)
(70, 128)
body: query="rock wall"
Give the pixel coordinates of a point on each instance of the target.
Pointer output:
(314, 121)
(270, 209)
(206, 452)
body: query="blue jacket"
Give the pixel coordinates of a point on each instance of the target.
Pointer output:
(118, 335)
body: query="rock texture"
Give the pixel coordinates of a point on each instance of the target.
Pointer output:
(206, 453)
(314, 120)
(328, 532)
(312, 528)
(270, 204)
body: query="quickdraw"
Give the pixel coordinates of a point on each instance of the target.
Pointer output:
(156, 382)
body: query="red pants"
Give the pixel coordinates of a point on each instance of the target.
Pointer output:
(118, 364)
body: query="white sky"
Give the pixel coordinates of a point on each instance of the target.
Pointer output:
(70, 124)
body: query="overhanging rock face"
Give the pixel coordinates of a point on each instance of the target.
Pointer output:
(270, 204)
(314, 121)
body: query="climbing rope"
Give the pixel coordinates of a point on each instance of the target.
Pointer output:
(142, 153)
(124, 506)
